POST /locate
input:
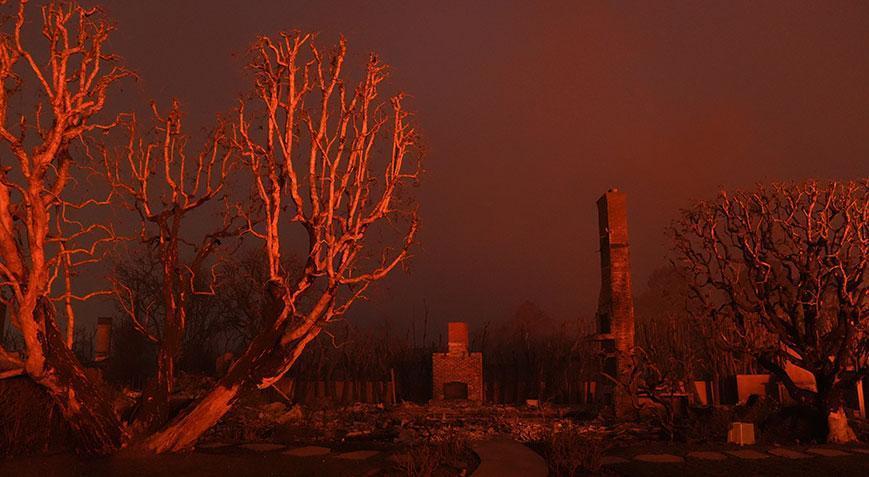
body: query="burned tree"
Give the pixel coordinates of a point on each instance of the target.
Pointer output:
(332, 161)
(783, 267)
(68, 83)
(166, 186)
(679, 341)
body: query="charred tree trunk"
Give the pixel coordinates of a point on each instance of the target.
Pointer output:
(333, 200)
(184, 431)
(821, 425)
(2, 323)
(266, 356)
(158, 392)
(86, 409)
(821, 401)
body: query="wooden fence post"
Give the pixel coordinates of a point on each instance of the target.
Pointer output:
(392, 382)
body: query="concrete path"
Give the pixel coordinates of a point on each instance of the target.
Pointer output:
(827, 452)
(502, 457)
(308, 451)
(659, 458)
(707, 455)
(262, 446)
(748, 454)
(358, 455)
(745, 454)
(788, 453)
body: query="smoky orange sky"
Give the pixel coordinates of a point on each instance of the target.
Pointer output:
(531, 110)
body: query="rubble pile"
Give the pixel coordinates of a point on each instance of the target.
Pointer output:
(404, 424)
(191, 386)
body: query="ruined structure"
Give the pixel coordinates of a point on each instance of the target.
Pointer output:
(103, 339)
(457, 374)
(615, 314)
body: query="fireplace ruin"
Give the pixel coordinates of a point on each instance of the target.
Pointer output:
(457, 374)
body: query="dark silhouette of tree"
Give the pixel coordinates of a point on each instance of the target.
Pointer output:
(783, 266)
(680, 342)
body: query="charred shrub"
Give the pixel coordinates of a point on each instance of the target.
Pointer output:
(572, 450)
(30, 422)
(445, 454)
(708, 424)
(795, 423)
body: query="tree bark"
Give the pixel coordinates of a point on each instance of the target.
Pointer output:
(156, 396)
(822, 400)
(186, 429)
(158, 392)
(264, 357)
(86, 409)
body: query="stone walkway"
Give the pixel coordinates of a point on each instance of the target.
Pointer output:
(707, 455)
(788, 453)
(499, 457)
(502, 457)
(306, 451)
(742, 454)
(262, 446)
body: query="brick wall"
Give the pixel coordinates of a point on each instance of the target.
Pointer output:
(458, 367)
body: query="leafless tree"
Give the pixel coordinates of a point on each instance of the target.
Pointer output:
(657, 384)
(538, 356)
(678, 338)
(332, 161)
(38, 237)
(166, 185)
(785, 261)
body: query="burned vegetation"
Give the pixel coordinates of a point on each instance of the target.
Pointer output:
(231, 259)
(309, 150)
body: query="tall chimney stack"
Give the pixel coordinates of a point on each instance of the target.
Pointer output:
(616, 304)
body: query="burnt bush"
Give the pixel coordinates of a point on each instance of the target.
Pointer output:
(708, 424)
(793, 424)
(445, 455)
(572, 450)
(30, 422)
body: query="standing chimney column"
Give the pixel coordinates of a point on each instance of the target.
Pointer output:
(616, 304)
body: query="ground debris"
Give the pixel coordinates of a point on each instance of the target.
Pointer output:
(405, 424)
(192, 386)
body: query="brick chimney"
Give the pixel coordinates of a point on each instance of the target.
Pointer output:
(458, 373)
(457, 338)
(615, 305)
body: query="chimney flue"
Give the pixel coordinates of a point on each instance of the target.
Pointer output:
(457, 342)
